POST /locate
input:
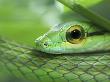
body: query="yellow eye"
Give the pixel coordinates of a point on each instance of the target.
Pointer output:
(75, 34)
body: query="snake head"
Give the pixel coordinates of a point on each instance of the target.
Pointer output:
(72, 37)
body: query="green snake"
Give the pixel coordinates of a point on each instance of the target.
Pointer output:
(74, 37)
(70, 52)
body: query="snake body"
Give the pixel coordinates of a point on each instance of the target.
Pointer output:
(82, 64)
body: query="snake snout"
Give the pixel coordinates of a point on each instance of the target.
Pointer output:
(43, 42)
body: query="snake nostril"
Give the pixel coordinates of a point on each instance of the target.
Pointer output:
(46, 44)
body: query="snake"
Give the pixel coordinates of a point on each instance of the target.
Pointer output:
(76, 51)
(74, 37)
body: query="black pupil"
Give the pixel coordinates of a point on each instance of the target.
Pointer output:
(75, 34)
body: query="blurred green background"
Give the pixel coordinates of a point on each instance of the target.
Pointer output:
(25, 20)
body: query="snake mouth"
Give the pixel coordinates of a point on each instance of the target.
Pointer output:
(96, 53)
(99, 52)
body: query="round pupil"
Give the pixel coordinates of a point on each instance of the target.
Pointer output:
(75, 34)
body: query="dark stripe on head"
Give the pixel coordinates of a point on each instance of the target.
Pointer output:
(96, 33)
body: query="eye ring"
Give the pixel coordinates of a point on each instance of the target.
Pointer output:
(75, 34)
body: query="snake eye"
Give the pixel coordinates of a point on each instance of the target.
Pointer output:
(75, 34)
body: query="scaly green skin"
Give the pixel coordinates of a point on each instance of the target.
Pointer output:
(25, 63)
(56, 42)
